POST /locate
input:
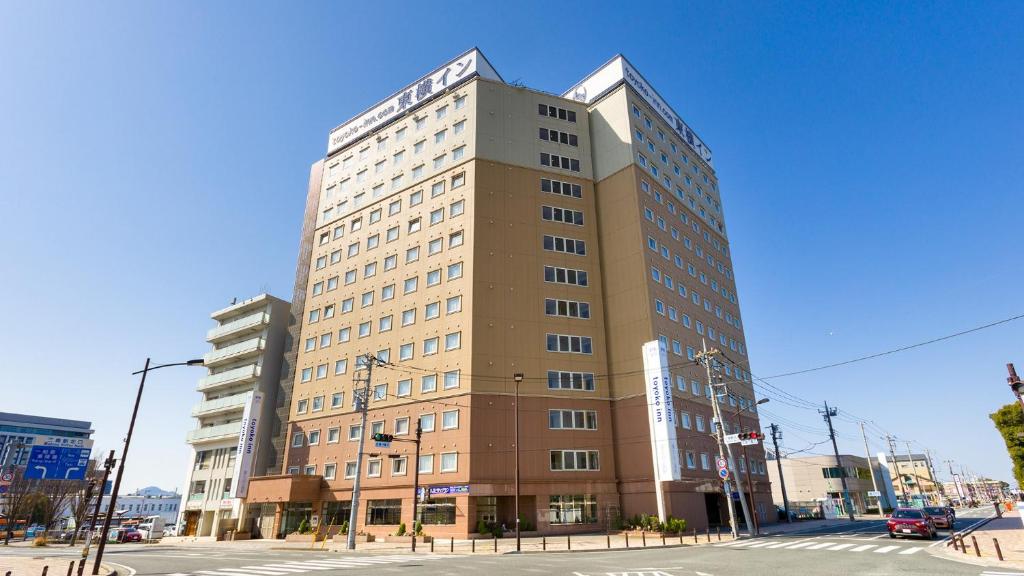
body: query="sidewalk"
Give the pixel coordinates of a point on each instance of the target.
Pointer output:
(1008, 530)
(25, 566)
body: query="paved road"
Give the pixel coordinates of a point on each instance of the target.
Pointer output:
(858, 548)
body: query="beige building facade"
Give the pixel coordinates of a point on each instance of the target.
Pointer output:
(464, 230)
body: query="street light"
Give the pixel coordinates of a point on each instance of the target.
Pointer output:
(1015, 384)
(124, 454)
(518, 377)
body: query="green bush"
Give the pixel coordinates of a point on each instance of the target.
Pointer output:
(418, 526)
(304, 527)
(497, 531)
(344, 527)
(675, 525)
(401, 529)
(481, 527)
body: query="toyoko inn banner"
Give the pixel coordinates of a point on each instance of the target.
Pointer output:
(661, 412)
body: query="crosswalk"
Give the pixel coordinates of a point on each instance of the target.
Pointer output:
(824, 546)
(286, 567)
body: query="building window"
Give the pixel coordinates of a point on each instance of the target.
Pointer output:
(337, 400)
(565, 276)
(563, 215)
(383, 512)
(426, 464)
(450, 419)
(569, 460)
(556, 161)
(314, 437)
(572, 419)
(453, 304)
(569, 343)
(555, 112)
(449, 462)
(427, 422)
(330, 471)
(567, 308)
(297, 439)
(561, 380)
(453, 341)
(561, 188)
(428, 383)
(572, 509)
(399, 466)
(404, 388)
(354, 432)
(451, 379)
(565, 245)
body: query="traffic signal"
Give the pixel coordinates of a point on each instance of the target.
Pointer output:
(382, 437)
(751, 436)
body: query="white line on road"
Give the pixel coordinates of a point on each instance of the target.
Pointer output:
(840, 546)
(217, 573)
(282, 570)
(820, 546)
(886, 549)
(254, 570)
(800, 545)
(863, 547)
(911, 550)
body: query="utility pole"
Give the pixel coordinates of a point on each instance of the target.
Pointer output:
(746, 460)
(874, 483)
(706, 357)
(896, 467)
(913, 468)
(108, 465)
(828, 414)
(935, 478)
(776, 434)
(361, 389)
(518, 377)
(971, 490)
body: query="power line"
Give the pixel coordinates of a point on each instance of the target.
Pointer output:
(900, 349)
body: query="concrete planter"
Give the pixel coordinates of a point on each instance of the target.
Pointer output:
(303, 537)
(342, 538)
(408, 539)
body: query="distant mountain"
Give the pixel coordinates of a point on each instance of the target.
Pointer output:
(154, 491)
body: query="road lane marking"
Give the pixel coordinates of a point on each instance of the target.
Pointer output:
(863, 547)
(840, 546)
(254, 570)
(820, 546)
(759, 544)
(911, 550)
(800, 545)
(282, 570)
(218, 573)
(886, 549)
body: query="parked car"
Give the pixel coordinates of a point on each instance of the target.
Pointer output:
(125, 535)
(910, 522)
(170, 530)
(940, 516)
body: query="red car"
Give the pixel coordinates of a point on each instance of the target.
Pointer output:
(910, 522)
(129, 535)
(940, 516)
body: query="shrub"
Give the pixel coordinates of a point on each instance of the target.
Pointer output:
(39, 541)
(497, 531)
(401, 529)
(481, 527)
(418, 526)
(304, 527)
(675, 525)
(344, 527)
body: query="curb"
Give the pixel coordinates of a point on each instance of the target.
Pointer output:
(591, 550)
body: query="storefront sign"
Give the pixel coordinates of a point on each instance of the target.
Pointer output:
(660, 411)
(459, 70)
(444, 490)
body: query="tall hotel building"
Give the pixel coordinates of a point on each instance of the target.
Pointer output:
(466, 229)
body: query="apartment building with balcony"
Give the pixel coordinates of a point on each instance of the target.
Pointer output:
(236, 420)
(464, 230)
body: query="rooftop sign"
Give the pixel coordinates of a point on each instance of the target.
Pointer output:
(619, 69)
(462, 68)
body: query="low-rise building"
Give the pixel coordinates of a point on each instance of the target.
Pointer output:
(813, 480)
(912, 478)
(150, 501)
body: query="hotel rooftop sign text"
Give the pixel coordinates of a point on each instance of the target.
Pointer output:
(460, 69)
(619, 69)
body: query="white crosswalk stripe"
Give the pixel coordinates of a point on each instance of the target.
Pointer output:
(287, 568)
(830, 545)
(886, 549)
(863, 547)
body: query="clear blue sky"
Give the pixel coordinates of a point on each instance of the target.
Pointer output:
(154, 158)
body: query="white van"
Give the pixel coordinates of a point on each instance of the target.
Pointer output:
(152, 528)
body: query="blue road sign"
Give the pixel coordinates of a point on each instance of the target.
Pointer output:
(57, 463)
(108, 487)
(382, 444)
(723, 473)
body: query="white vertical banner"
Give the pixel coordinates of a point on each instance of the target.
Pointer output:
(247, 445)
(661, 418)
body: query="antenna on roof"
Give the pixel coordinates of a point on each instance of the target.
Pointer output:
(234, 301)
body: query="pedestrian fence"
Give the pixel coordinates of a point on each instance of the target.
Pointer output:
(959, 543)
(571, 542)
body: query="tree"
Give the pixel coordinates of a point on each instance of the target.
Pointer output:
(55, 497)
(22, 495)
(1009, 420)
(79, 505)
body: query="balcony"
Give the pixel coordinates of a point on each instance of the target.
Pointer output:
(250, 324)
(233, 353)
(229, 377)
(211, 433)
(220, 405)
